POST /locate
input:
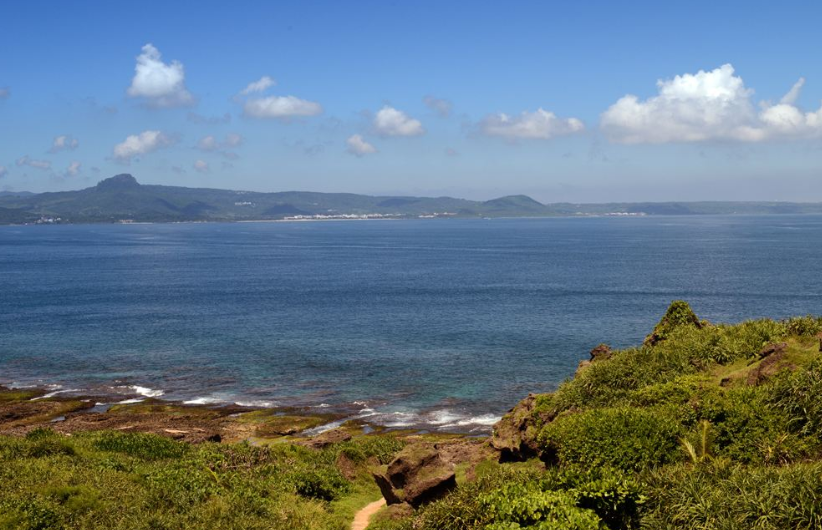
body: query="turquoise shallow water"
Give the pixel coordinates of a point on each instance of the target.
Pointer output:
(440, 324)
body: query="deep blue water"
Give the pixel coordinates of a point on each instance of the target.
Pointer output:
(446, 323)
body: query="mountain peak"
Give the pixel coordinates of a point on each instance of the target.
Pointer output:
(123, 181)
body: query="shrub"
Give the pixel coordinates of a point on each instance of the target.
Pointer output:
(797, 395)
(626, 438)
(517, 505)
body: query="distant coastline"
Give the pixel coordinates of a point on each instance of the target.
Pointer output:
(121, 199)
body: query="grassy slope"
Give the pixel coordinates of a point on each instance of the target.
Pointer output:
(614, 440)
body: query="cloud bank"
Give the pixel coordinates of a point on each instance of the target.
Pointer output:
(281, 107)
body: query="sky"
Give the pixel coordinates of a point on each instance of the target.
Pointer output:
(572, 101)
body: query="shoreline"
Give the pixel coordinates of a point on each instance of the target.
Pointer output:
(23, 408)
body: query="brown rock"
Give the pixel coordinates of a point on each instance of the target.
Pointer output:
(327, 438)
(418, 474)
(772, 348)
(386, 489)
(409, 462)
(773, 361)
(346, 466)
(601, 352)
(819, 336)
(430, 487)
(514, 436)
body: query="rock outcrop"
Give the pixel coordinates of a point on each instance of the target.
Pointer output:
(327, 438)
(773, 361)
(416, 476)
(514, 436)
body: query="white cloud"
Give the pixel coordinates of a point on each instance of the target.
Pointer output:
(73, 169)
(706, 106)
(540, 125)
(392, 122)
(208, 143)
(63, 142)
(3, 171)
(5, 92)
(201, 166)
(141, 144)
(440, 106)
(161, 84)
(359, 147)
(258, 86)
(281, 107)
(37, 164)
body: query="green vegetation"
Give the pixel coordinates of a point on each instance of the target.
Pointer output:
(702, 427)
(114, 480)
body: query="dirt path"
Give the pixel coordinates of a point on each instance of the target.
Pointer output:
(363, 516)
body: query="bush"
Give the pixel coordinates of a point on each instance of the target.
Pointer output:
(626, 438)
(797, 395)
(519, 505)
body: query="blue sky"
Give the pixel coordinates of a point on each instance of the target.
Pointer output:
(589, 101)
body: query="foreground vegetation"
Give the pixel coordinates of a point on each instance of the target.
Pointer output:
(702, 427)
(111, 480)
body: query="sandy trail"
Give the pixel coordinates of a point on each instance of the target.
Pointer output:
(363, 516)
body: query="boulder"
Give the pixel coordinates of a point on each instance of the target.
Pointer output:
(515, 435)
(416, 476)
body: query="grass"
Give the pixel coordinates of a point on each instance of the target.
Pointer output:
(143, 481)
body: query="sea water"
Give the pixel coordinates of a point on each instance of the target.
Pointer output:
(437, 324)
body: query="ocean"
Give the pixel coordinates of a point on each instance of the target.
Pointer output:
(433, 324)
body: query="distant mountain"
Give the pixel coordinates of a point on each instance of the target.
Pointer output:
(122, 198)
(15, 193)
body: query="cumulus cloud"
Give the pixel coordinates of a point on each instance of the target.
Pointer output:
(201, 166)
(73, 169)
(37, 164)
(281, 107)
(440, 106)
(141, 144)
(161, 84)
(714, 105)
(63, 142)
(357, 146)
(539, 125)
(392, 122)
(5, 92)
(258, 86)
(3, 171)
